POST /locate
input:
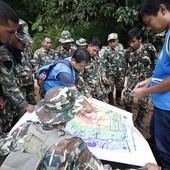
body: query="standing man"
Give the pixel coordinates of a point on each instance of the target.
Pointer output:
(45, 54)
(91, 81)
(67, 48)
(21, 57)
(114, 67)
(156, 15)
(139, 61)
(81, 43)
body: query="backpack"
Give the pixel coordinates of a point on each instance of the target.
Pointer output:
(43, 72)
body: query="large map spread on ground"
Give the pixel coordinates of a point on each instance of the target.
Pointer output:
(108, 128)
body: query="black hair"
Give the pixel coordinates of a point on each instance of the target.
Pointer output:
(151, 7)
(7, 14)
(96, 42)
(134, 33)
(45, 36)
(81, 54)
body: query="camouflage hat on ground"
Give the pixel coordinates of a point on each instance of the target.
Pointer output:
(59, 105)
(65, 37)
(81, 42)
(22, 32)
(112, 36)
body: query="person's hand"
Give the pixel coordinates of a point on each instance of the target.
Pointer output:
(151, 166)
(88, 95)
(138, 93)
(143, 84)
(30, 108)
(105, 80)
(2, 103)
(35, 69)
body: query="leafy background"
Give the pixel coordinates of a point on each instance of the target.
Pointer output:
(83, 18)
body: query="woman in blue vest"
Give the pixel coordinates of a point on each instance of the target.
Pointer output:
(64, 72)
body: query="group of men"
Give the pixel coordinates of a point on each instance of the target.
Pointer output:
(108, 67)
(96, 77)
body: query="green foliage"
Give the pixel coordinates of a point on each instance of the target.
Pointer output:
(82, 18)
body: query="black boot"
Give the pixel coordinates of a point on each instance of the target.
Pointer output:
(111, 99)
(128, 108)
(118, 97)
(139, 122)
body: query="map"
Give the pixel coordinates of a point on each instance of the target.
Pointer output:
(108, 128)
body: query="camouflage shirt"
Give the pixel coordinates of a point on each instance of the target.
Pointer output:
(8, 80)
(42, 56)
(90, 81)
(61, 53)
(113, 64)
(138, 63)
(57, 150)
(24, 70)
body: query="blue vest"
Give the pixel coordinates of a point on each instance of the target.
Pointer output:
(161, 72)
(52, 81)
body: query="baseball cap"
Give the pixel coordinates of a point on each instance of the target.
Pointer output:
(22, 32)
(59, 105)
(81, 42)
(66, 37)
(112, 36)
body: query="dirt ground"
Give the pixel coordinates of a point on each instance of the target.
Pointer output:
(146, 119)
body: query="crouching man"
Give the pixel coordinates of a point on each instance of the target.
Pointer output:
(45, 144)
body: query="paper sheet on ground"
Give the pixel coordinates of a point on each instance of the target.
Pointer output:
(109, 134)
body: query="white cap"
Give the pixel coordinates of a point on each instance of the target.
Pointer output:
(112, 36)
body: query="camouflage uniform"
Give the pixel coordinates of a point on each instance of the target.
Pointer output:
(42, 56)
(61, 52)
(56, 148)
(9, 87)
(24, 75)
(139, 67)
(90, 81)
(113, 64)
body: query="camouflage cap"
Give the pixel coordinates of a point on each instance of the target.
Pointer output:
(22, 32)
(81, 42)
(65, 37)
(59, 105)
(112, 36)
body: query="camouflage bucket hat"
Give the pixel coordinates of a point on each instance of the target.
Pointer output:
(59, 105)
(81, 42)
(22, 32)
(65, 37)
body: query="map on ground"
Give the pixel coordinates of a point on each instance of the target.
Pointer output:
(110, 130)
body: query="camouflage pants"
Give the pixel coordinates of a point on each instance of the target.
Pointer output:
(7, 115)
(29, 93)
(128, 98)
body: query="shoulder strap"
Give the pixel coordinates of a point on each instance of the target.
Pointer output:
(65, 61)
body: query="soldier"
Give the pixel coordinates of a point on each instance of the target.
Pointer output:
(67, 48)
(12, 95)
(22, 56)
(81, 43)
(140, 63)
(114, 67)
(47, 138)
(8, 22)
(43, 55)
(90, 82)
